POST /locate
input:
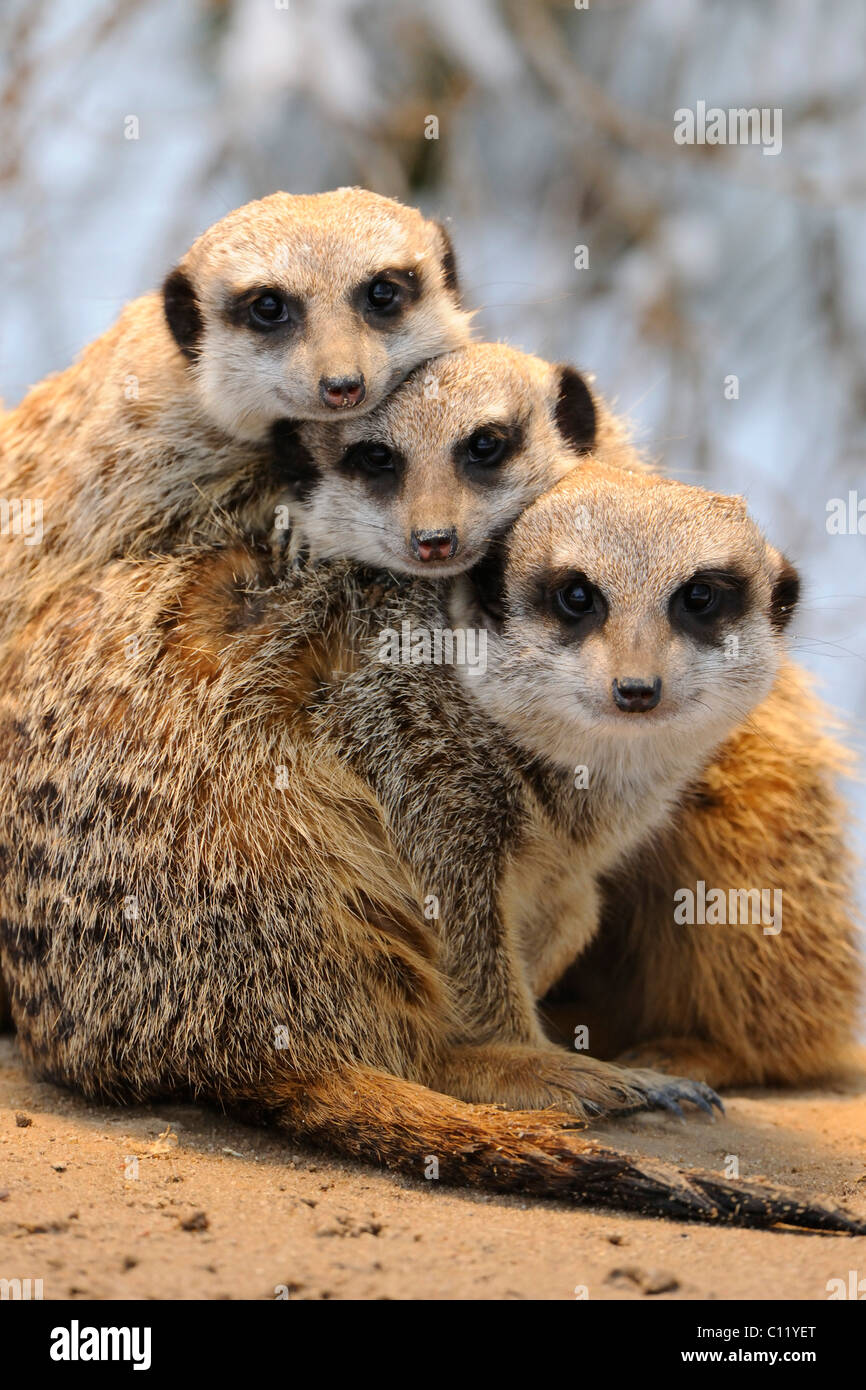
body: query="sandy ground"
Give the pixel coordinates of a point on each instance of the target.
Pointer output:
(216, 1210)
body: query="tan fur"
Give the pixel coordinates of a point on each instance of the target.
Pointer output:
(192, 864)
(551, 897)
(726, 1003)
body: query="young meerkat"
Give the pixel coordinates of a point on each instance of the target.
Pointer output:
(204, 894)
(292, 307)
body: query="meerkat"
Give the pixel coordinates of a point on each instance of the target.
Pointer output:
(426, 482)
(292, 307)
(202, 896)
(612, 614)
(744, 1002)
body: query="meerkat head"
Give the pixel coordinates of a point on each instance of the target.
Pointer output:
(311, 307)
(423, 484)
(627, 613)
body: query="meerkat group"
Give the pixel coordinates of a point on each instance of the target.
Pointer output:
(246, 859)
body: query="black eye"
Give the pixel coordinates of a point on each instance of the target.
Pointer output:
(268, 310)
(698, 597)
(701, 607)
(381, 294)
(485, 448)
(577, 599)
(375, 457)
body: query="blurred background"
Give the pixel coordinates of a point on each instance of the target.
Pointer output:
(130, 125)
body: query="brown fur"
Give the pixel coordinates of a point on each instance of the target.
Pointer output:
(725, 1003)
(771, 787)
(104, 498)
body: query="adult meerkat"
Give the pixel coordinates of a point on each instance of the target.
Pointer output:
(307, 307)
(763, 813)
(200, 897)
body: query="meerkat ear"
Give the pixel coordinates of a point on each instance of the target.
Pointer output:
(448, 261)
(182, 312)
(294, 465)
(488, 580)
(786, 591)
(575, 410)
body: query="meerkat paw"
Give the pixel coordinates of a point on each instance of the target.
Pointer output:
(521, 1077)
(665, 1092)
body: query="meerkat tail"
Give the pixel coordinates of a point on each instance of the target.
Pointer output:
(373, 1116)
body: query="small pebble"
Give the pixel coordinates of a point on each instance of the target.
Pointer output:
(197, 1222)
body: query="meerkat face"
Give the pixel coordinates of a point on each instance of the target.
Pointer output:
(312, 307)
(627, 613)
(446, 464)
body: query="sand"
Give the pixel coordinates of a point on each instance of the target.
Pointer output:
(177, 1202)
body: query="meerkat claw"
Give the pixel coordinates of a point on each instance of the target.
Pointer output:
(668, 1096)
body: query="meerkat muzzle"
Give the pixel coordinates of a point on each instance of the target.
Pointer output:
(635, 695)
(435, 545)
(342, 392)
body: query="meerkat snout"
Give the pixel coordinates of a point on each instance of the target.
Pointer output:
(435, 545)
(636, 694)
(342, 392)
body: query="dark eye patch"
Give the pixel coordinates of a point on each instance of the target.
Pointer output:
(239, 310)
(568, 597)
(379, 467)
(384, 295)
(578, 605)
(707, 603)
(482, 454)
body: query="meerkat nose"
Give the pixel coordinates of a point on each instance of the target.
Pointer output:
(435, 545)
(342, 392)
(636, 695)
